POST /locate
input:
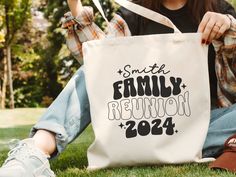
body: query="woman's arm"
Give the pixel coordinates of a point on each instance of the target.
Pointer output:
(226, 59)
(80, 29)
(225, 66)
(75, 7)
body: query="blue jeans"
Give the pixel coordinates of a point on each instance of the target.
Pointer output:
(69, 115)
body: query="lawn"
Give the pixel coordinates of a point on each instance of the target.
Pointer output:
(73, 161)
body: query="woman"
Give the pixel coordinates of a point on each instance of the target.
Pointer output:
(69, 114)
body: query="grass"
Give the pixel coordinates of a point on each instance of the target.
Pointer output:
(73, 161)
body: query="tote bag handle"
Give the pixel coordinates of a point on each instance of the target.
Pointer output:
(142, 11)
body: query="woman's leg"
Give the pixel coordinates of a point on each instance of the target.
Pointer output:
(45, 141)
(222, 126)
(66, 117)
(62, 122)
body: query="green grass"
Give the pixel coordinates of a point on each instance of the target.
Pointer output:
(73, 161)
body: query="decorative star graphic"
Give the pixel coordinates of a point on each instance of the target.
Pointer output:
(121, 125)
(183, 86)
(120, 72)
(176, 131)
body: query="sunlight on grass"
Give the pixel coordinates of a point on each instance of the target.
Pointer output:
(19, 116)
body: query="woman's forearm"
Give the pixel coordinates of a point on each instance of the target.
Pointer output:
(75, 7)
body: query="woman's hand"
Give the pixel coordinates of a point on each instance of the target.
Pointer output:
(75, 7)
(213, 26)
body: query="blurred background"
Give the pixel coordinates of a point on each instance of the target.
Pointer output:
(34, 61)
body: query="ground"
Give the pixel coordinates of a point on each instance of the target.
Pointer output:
(15, 124)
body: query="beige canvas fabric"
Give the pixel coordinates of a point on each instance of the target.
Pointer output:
(149, 98)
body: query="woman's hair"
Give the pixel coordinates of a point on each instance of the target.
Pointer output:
(197, 8)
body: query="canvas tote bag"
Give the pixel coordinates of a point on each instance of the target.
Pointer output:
(149, 96)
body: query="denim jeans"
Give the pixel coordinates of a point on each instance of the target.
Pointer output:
(69, 115)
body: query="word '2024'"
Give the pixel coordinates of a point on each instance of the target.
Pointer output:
(144, 128)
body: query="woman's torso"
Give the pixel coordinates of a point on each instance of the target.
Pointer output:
(184, 22)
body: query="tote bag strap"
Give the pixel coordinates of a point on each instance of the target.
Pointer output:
(142, 11)
(99, 7)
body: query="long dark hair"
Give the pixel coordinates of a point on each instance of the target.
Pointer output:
(196, 8)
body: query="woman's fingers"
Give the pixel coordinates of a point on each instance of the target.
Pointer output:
(215, 32)
(208, 31)
(203, 23)
(221, 31)
(213, 26)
